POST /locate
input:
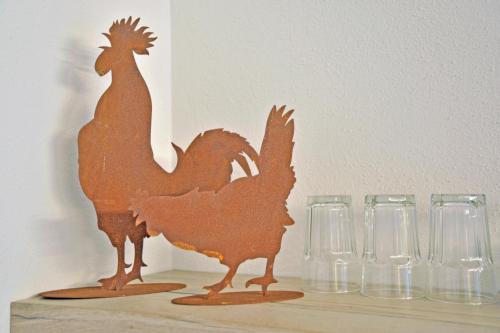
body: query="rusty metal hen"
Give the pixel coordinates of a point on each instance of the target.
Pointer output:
(244, 220)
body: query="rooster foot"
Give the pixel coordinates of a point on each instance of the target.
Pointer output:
(134, 275)
(115, 282)
(263, 281)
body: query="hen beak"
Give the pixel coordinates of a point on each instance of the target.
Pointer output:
(138, 221)
(152, 232)
(101, 73)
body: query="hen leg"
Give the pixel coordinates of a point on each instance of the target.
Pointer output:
(214, 289)
(265, 280)
(114, 225)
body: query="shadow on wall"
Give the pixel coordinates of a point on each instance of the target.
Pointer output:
(77, 69)
(72, 246)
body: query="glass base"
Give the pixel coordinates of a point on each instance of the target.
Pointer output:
(389, 293)
(462, 298)
(331, 287)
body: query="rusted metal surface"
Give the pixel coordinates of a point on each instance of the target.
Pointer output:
(116, 160)
(98, 292)
(243, 220)
(242, 297)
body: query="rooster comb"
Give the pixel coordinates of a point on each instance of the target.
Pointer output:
(123, 33)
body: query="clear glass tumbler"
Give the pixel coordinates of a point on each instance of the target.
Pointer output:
(331, 261)
(460, 266)
(392, 266)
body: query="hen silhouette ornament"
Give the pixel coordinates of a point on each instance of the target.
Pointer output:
(116, 160)
(243, 220)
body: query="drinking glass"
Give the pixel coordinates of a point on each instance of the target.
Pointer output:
(460, 266)
(392, 267)
(331, 261)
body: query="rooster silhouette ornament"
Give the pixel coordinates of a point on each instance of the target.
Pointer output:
(116, 159)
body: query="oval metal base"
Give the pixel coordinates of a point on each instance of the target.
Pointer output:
(241, 297)
(98, 292)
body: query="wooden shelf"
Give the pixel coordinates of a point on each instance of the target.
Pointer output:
(313, 313)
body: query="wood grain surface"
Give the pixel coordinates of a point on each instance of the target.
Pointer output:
(312, 313)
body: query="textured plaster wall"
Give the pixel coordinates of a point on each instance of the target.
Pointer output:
(391, 97)
(49, 89)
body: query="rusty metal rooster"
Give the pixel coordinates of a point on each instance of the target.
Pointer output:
(116, 160)
(243, 220)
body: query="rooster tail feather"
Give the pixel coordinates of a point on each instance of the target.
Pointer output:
(215, 150)
(179, 152)
(252, 154)
(242, 161)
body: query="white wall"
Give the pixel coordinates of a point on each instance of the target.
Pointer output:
(49, 235)
(390, 97)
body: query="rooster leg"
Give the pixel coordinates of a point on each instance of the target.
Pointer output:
(137, 236)
(115, 226)
(265, 280)
(135, 273)
(214, 289)
(117, 281)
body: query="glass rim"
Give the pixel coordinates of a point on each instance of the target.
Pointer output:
(329, 199)
(405, 199)
(475, 199)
